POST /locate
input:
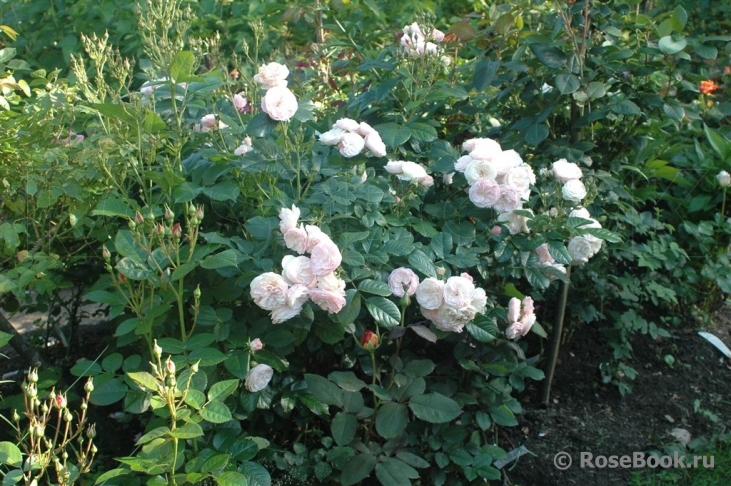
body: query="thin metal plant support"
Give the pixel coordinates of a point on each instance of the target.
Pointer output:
(556, 338)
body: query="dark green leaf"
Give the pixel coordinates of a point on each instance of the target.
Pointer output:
(385, 312)
(391, 420)
(434, 408)
(343, 428)
(553, 57)
(357, 469)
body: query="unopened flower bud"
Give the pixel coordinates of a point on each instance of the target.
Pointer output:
(191, 209)
(138, 218)
(122, 278)
(93, 449)
(724, 179)
(44, 407)
(369, 340)
(156, 349)
(65, 455)
(83, 406)
(197, 292)
(441, 271)
(59, 401)
(150, 217)
(16, 417)
(176, 231)
(170, 366)
(33, 376)
(169, 215)
(159, 229)
(194, 367)
(68, 417)
(256, 345)
(199, 213)
(38, 430)
(106, 254)
(89, 386)
(32, 391)
(132, 225)
(72, 219)
(91, 431)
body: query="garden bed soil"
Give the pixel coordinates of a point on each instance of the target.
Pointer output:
(584, 414)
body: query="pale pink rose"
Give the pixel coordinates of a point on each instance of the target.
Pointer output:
(462, 163)
(479, 169)
(528, 308)
(505, 161)
(298, 270)
(269, 290)
(375, 145)
(452, 319)
(332, 137)
(351, 144)
(403, 280)
(448, 178)
(331, 283)
(496, 230)
(256, 345)
(437, 35)
(485, 193)
(245, 147)
(288, 218)
(315, 236)
(514, 331)
(240, 102)
(580, 213)
(574, 190)
(413, 172)
(479, 300)
(516, 223)
(484, 145)
(565, 171)
(430, 314)
(279, 103)
(521, 178)
(272, 75)
(427, 181)
(297, 295)
(394, 167)
(296, 239)
(430, 48)
(544, 256)
(258, 378)
(331, 302)
(467, 276)
(514, 310)
(208, 122)
(458, 292)
(347, 124)
(509, 200)
(430, 293)
(365, 129)
(325, 258)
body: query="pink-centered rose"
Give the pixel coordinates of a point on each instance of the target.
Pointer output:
(461, 164)
(485, 193)
(325, 258)
(458, 292)
(272, 75)
(269, 291)
(403, 281)
(565, 171)
(296, 297)
(279, 103)
(544, 256)
(296, 239)
(329, 301)
(240, 102)
(256, 345)
(509, 199)
(479, 169)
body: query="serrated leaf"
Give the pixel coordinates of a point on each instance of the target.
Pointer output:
(391, 420)
(424, 332)
(351, 310)
(393, 472)
(108, 392)
(187, 431)
(419, 261)
(434, 408)
(375, 287)
(347, 380)
(553, 57)
(182, 66)
(502, 415)
(567, 83)
(224, 259)
(625, 107)
(324, 390)
(595, 90)
(357, 469)
(215, 412)
(222, 389)
(152, 435)
(384, 312)
(230, 478)
(343, 428)
(144, 379)
(670, 45)
(10, 454)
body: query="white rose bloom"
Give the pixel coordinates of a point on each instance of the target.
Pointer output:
(458, 292)
(505, 161)
(448, 178)
(479, 169)
(479, 300)
(269, 290)
(272, 75)
(332, 137)
(315, 236)
(331, 283)
(452, 319)
(351, 144)
(279, 103)
(429, 293)
(411, 171)
(574, 191)
(296, 239)
(258, 378)
(298, 270)
(288, 218)
(484, 148)
(724, 179)
(520, 178)
(347, 124)
(580, 213)
(566, 171)
(394, 167)
(365, 129)
(580, 250)
(462, 163)
(515, 222)
(375, 145)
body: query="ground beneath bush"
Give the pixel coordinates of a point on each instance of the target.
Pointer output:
(588, 416)
(584, 415)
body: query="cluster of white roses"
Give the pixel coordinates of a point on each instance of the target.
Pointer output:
(278, 102)
(352, 138)
(520, 319)
(570, 175)
(498, 179)
(417, 44)
(303, 278)
(410, 172)
(451, 304)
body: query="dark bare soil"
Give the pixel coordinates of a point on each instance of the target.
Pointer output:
(588, 416)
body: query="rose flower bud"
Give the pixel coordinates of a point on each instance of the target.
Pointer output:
(369, 340)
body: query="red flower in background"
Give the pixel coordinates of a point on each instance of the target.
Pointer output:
(707, 87)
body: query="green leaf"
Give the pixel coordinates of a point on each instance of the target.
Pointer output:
(223, 191)
(126, 245)
(422, 132)
(482, 329)
(144, 380)
(485, 71)
(375, 287)
(347, 380)
(679, 19)
(260, 125)
(111, 474)
(385, 312)
(206, 356)
(324, 390)
(536, 278)
(118, 112)
(230, 478)
(595, 90)
(112, 362)
(224, 259)
(133, 269)
(419, 261)
(108, 392)
(343, 428)
(502, 415)
(187, 431)
(553, 57)
(393, 134)
(672, 44)
(357, 469)
(153, 434)
(536, 133)
(5, 338)
(222, 389)
(418, 368)
(261, 228)
(86, 368)
(215, 412)
(412, 459)
(674, 111)
(393, 472)
(256, 474)
(195, 398)
(7, 54)
(391, 420)
(152, 123)
(350, 312)
(718, 142)
(10, 454)
(237, 363)
(182, 66)
(434, 408)
(625, 107)
(567, 83)
(442, 245)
